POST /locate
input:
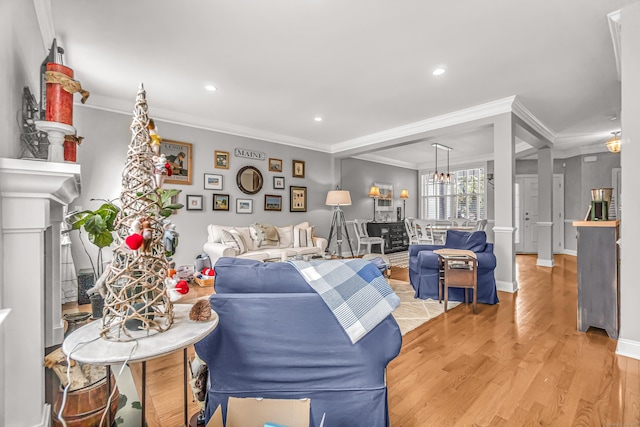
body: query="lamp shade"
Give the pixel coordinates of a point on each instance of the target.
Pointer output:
(338, 198)
(374, 191)
(404, 194)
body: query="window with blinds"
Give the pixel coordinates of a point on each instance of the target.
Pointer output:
(462, 198)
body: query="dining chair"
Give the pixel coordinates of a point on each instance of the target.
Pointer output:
(363, 238)
(409, 225)
(481, 225)
(424, 231)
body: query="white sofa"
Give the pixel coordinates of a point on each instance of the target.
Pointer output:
(291, 241)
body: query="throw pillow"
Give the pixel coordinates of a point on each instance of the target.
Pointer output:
(234, 239)
(305, 237)
(244, 232)
(264, 234)
(285, 234)
(296, 234)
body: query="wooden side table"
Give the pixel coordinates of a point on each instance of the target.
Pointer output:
(458, 271)
(86, 346)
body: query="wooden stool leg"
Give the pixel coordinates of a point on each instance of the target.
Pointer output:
(446, 296)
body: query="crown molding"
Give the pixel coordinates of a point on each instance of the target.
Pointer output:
(44, 14)
(477, 112)
(160, 116)
(615, 28)
(385, 161)
(525, 115)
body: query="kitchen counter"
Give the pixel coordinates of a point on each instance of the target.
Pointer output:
(598, 276)
(614, 223)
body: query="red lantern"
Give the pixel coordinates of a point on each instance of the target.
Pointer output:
(59, 100)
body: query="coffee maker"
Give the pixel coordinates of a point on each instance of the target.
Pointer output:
(600, 203)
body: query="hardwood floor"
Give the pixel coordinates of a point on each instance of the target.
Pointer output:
(518, 363)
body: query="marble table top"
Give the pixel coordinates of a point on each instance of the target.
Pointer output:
(87, 346)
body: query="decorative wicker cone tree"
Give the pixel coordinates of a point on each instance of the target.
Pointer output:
(136, 304)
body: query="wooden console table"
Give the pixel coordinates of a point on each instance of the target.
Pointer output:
(86, 346)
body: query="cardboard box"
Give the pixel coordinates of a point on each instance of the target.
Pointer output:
(256, 412)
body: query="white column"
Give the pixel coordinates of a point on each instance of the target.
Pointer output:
(629, 338)
(504, 201)
(545, 207)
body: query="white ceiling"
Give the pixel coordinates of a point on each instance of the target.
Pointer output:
(363, 65)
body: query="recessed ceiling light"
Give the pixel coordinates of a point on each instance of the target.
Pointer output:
(318, 119)
(211, 88)
(438, 71)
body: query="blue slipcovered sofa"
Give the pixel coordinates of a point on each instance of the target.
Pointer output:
(423, 267)
(278, 339)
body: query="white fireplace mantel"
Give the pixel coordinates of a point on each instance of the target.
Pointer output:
(33, 196)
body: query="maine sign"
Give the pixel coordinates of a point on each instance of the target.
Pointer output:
(249, 154)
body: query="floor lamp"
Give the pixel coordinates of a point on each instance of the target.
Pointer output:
(338, 198)
(374, 193)
(404, 195)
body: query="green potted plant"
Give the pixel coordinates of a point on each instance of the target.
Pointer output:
(98, 225)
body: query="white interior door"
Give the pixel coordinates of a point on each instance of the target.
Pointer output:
(527, 213)
(530, 215)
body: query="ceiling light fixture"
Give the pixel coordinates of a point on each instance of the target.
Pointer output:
(318, 119)
(438, 71)
(441, 177)
(210, 88)
(614, 144)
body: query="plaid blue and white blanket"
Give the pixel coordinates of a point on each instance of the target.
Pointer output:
(354, 290)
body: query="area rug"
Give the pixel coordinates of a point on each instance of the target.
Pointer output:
(399, 259)
(414, 312)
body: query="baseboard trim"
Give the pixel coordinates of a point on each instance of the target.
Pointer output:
(544, 262)
(571, 252)
(505, 286)
(46, 416)
(628, 348)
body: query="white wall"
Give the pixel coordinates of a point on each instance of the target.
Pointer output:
(21, 53)
(103, 154)
(629, 338)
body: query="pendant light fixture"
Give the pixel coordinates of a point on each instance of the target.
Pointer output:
(435, 174)
(614, 143)
(448, 175)
(441, 177)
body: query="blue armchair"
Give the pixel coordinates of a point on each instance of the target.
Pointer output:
(278, 339)
(423, 266)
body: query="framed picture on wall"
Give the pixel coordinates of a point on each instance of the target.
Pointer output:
(244, 206)
(221, 159)
(298, 199)
(212, 181)
(278, 182)
(298, 168)
(275, 165)
(180, 157)
(272, 202)
(220, 202)
(194, 202)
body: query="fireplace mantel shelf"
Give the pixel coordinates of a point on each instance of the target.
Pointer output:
(50, 180)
